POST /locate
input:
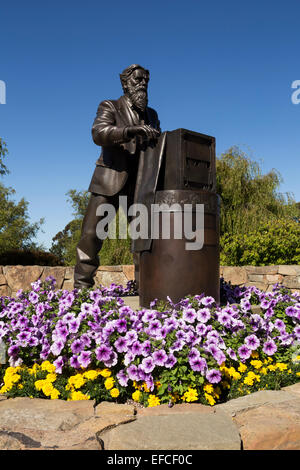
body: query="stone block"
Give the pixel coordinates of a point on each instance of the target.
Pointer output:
(21, 277)
(271, 428)
(235, 275)
(5, 291)
(177, 431)
(2, 280)
(128, 270)
(256, 277)
(58, 272)
(293, 282)
(262, 269)
(117, 268)
(41, 414)
(274, 278)
(260, 285)
(69, 274)
(289, 270)
(109, 277)
(68, 284)
(255, 400)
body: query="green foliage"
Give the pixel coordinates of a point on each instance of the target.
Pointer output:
(277, 242)
(113, 251)
(3, 153)
(249, 199)
(28, 258)
(16, 231)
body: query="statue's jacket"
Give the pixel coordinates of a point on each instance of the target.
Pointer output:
(112, 167)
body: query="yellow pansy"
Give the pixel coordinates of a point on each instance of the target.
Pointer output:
(46, 365)
(91, 374)
(105, 373)
(54, 394)
(256, 364)
(136, 395)
(77, 395)
(210, 399)
(191, 395)
(114, 392)
(242, 367)
(109, 383)
(153, 401)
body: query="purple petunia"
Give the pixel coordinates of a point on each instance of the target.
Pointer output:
(189, 315)
(198, 364)
(159, 357)
(121, 344)
(213, 376)
(122, 378)
(171, 361)
(269, 347)
(147, 365)
(84, 358)
(252, 342)
(203, 315)
(244, 352)
(103, 353)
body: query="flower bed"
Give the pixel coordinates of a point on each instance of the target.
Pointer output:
(89, 345)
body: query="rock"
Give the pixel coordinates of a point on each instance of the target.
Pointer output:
(255, 400)
(132, 302)
(256, 277)
(58, 272)
(5, 291)
(261, 269)
(9, 442)
(236, 275)
(2, 280)
(69, 274)
(44, 415)
(117, 268)
(256, 309)
(292, 282)
(21, 277)
(106, 278)
(271, 428)
(260, 285)
(128, 270)
(295, 388)
(286, 270)
(274, 278)
(178, 431)
(68, 284)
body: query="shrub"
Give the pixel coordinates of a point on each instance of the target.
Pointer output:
(277, 242)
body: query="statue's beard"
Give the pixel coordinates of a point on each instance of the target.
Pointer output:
(138, 97)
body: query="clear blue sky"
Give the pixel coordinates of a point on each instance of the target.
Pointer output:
(219, 68)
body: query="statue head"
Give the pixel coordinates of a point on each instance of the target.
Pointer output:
(134, 80)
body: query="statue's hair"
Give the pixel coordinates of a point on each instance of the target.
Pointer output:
(127, 72)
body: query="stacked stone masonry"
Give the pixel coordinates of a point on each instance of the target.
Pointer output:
(13, 278)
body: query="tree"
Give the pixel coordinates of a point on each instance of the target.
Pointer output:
(3, 152)
(113, 251)
(16, 231)
(249, 198)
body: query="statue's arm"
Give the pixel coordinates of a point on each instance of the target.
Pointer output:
(104, 130)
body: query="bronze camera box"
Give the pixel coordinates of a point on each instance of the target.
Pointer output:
(189, 161)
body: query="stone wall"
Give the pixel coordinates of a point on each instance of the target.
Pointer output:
(13, 278)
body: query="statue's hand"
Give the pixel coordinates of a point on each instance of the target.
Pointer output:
(147, 132)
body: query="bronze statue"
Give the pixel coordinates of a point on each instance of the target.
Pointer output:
(127, 130)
